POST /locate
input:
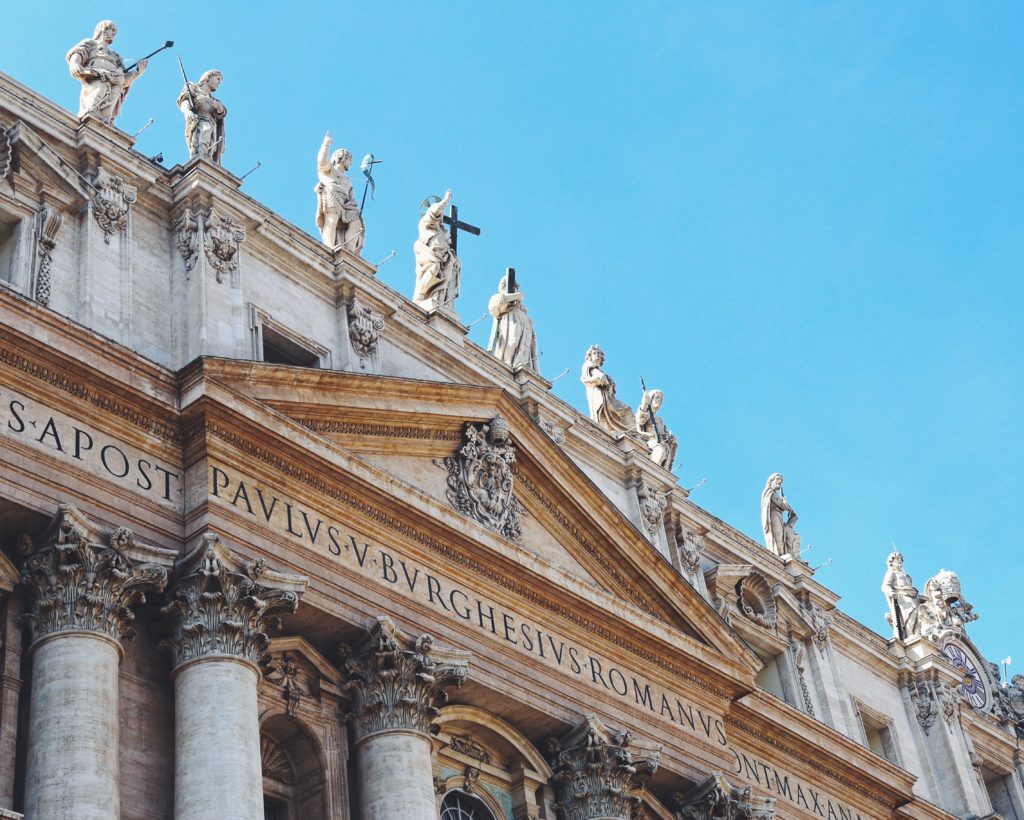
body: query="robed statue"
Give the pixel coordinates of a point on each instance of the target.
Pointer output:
(437, 267)
(609, 412)
(204, 117)
(652, 430)
(337, 212)
(779, 533)
(100, 69)
(512, 337)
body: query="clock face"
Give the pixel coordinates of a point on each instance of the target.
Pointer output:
(973, 685)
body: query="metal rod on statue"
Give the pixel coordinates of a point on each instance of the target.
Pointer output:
(188, 88)
(257, 165)
(511, 274)
(168, 44)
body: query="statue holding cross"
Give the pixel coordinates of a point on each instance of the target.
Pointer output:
(438, 267)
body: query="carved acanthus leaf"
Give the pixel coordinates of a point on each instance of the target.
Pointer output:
(221, 604)
(821, 623)
(77, 582)
(480, 481)
(595, 769)
(284, 671)
(398, 682)
(5, 154)
(715, 799)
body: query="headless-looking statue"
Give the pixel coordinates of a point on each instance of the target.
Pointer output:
(437, 267)
(652, 429)
(779, 534)
(613, 415)
(337, 212)
(204, 117)
(105, 82)
(512, 337)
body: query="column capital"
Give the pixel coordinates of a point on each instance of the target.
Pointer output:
(714, 798)
(221, 604)
(397, 682)
(82, 578)
(596, 768)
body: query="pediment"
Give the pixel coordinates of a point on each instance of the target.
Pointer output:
(411, 429)
(36, 165)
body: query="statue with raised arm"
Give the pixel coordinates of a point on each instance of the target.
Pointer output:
(204, 117)
(902, 597)
(337, 212)
(652, 429)
(100, 69)
(437, 267)
(779, 533)
(512, 337)
(613, 415)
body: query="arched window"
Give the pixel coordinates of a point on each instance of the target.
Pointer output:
(458, 805)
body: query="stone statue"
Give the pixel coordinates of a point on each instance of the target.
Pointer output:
(613, 415)
(337, 212)
(204, 117)
(779, 535)
(902, 597)
(105, 82)
(512, 337)
(652, 429)
(437, 267)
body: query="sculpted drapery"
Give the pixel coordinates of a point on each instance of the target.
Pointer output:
(100, 69)
(204, 117)
(437, 266)
(613, 415)
(513, 340)
(337, 212)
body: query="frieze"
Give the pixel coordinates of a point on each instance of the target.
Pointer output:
(457, 557)
(168, 431)
(382, 430)
(470, 748)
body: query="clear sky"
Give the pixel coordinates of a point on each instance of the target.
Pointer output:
(803, 221)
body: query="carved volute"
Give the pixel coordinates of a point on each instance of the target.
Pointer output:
(715, 799)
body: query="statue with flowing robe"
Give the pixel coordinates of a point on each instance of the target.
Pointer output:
(437, 267)
(100, 69)
(613, 415)
(204, 117)
(779, 533)
(652, 430)
(512, 336)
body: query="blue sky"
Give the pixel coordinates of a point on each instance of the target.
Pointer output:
(804, 222)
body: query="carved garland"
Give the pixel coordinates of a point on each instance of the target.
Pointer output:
(49, 222)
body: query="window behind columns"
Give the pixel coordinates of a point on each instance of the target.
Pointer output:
(293, 774)
(457, 805)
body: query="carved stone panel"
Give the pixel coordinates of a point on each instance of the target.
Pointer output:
(48, 223)
(364, 327)
(715, 799)
(223, 236)
(222, 604)
(595, 769)
(652, 508)
(480, 481)
(755, 598)
(188, 237)
(75, 581)
(932, 699)
(396, 681)
(111, 199)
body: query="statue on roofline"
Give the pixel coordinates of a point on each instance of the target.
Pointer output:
(100, 69)
(780, 535)
(204, 117)
(513, 340)
(337, 212)
(652, 429)
(609, 412)
(438, 268)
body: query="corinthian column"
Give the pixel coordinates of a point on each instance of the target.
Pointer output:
(397, 684)
(221, 607)
(596, 768)
(81, 591)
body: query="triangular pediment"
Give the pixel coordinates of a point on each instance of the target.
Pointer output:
(414, 431)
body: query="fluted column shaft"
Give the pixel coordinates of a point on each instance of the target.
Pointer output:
(80, 596)
(221, 607)
(397, 684)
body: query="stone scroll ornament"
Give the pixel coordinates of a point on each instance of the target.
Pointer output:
(595, 769)
(364, 328)
(715, 799)
(222, 238)
(396, 681)
(480, 482)
(110, 202)
(76, 582)
(220, 605)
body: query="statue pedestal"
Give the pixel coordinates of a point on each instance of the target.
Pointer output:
(447, 322)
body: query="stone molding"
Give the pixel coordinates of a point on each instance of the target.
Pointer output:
(480, 480)
(715, 799)
(223, 605)
(49, 220)
(111, 201)
(596, 768)
(78, 582)
(397, 682)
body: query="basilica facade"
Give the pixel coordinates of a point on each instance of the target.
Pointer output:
(281, 542)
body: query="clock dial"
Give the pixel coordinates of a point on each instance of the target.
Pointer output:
(972, 684)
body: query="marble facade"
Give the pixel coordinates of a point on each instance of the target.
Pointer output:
(278, 544)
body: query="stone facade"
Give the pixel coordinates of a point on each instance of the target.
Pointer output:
(391, 575)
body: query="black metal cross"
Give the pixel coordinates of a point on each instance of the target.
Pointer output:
(457, 226)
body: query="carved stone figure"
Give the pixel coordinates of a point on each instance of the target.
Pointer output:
(652, 429)
(613, 415)
(480, 481)
(100, 69)
(295, 684)
(337, 212)
(437, 267)
(1010, 703)
(595, 769)
(779, 534)
(397, 682)
(715, 799)
(204, 117)
(902, 597)
(512, 337)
